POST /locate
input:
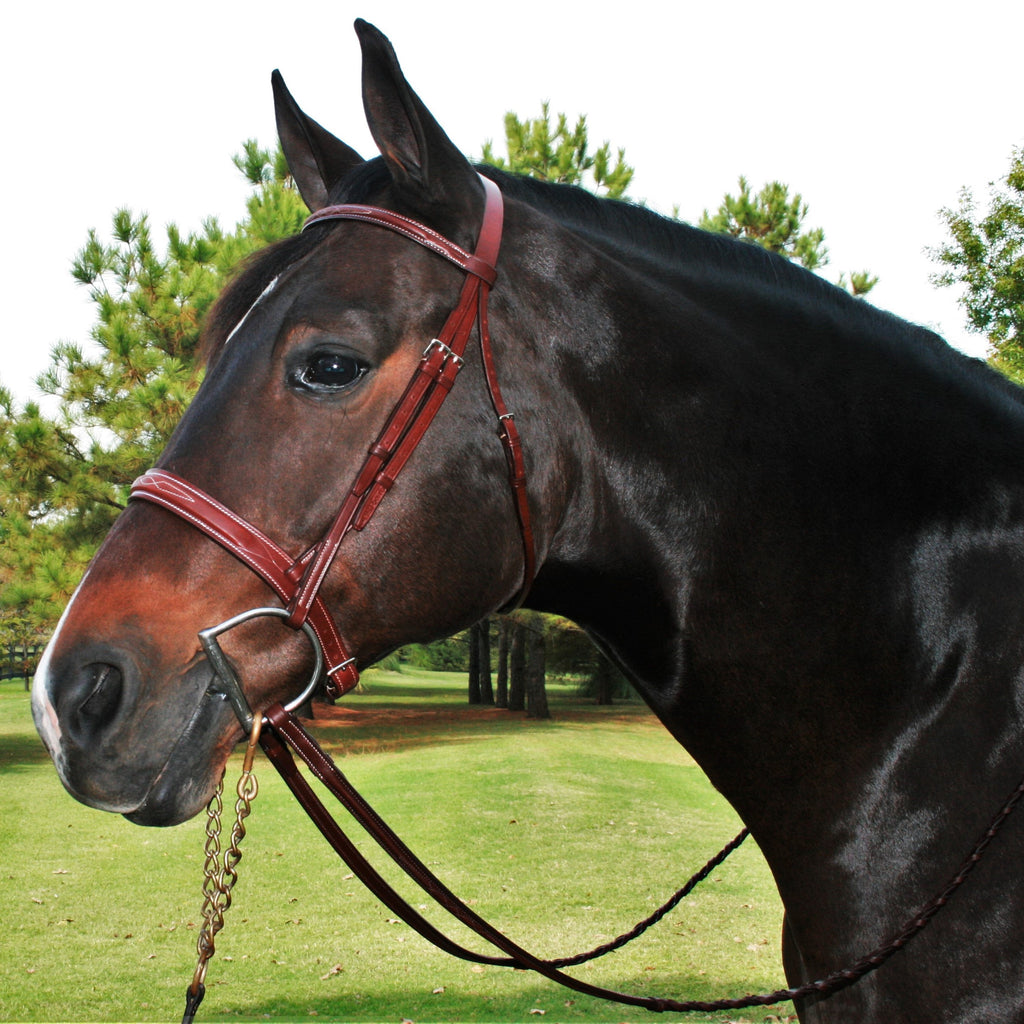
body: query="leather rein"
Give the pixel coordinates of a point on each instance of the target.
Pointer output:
(297, 583)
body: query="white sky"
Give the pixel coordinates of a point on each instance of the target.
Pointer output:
(876, 112)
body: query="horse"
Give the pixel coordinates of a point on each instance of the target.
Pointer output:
(796, 523)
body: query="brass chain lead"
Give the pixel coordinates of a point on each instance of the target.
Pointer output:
(220, 873)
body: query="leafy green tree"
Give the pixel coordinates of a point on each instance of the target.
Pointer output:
(64, 476)
(774, 220)
(557, 153)
(985, 258)
(43, 551)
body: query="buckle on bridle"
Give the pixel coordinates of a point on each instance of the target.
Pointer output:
(448, 352)
(226, 683)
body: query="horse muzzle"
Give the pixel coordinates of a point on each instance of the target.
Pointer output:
(118, 747)
(117, 751)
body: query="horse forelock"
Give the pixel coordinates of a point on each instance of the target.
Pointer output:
(256, 273)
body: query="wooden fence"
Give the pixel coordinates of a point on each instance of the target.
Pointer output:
(20, 661)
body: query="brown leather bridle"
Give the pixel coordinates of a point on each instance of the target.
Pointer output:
(297, 581)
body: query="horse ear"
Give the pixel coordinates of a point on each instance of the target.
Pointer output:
(425, 164)
(317, 160)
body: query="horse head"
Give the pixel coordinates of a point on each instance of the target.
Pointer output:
(309, 350)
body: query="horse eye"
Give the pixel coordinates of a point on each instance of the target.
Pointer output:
(329, 371)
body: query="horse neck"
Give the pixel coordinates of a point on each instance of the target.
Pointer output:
(778, 525)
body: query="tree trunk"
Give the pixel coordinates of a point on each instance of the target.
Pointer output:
(603, 680)
(517, 668)
(474, 664)
(536, 693)
(484, 638)
(501, 684)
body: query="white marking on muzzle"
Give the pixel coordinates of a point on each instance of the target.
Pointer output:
(42, 707)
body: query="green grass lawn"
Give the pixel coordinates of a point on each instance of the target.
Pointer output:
(563, 833)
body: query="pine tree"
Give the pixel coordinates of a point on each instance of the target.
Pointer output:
(560, 154)
(64, 476)
(774, 220)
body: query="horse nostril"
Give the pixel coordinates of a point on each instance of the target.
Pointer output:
(103, 688)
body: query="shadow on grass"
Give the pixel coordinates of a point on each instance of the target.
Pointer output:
(21, 752)
(399, 733)
(410, 734)
(369, 724)
(524, 1000)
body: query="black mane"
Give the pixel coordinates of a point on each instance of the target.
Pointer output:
(726, 271)
(652, 238)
